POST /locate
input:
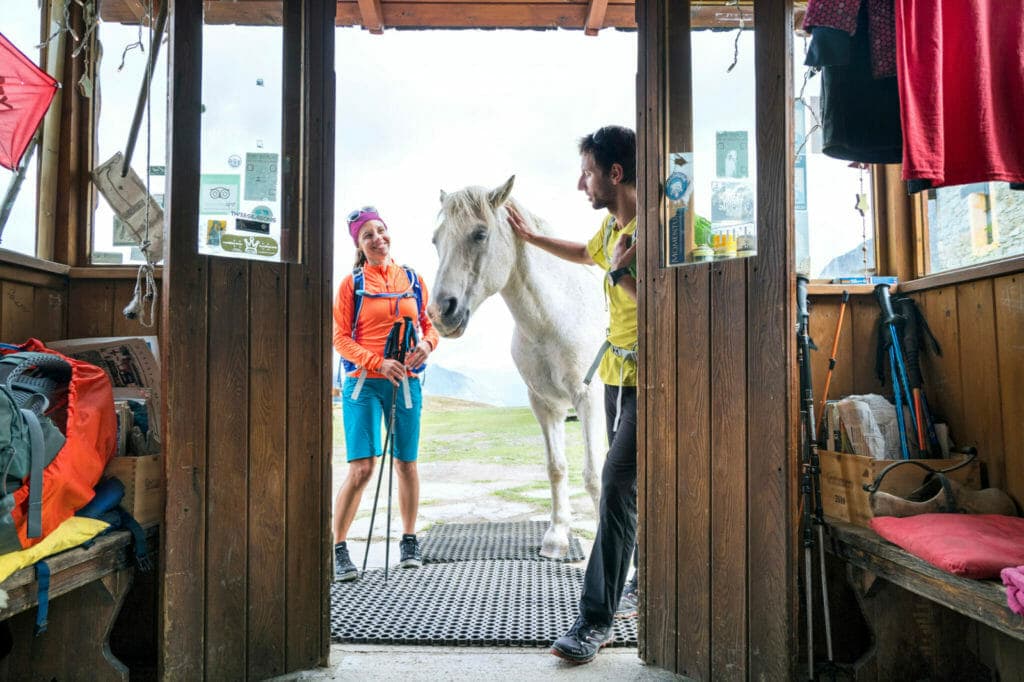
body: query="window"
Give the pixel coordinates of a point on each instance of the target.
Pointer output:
(22, 25)
(834, 209)
(973, 224)
(120, 72)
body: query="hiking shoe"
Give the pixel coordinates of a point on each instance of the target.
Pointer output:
(582, 642)
(344, 569)
(410, 549)
(629, 600)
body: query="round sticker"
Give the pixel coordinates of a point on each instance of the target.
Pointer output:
(676, 185)
(234, 160)
(263, 213)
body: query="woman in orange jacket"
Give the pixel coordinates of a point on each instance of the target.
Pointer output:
(377, 294)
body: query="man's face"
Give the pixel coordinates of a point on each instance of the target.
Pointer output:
(595, 183)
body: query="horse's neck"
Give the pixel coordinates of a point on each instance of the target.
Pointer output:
(544, 290)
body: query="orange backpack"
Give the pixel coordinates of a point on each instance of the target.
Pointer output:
(82, 408)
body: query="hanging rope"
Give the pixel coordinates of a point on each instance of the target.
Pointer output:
(739, 34)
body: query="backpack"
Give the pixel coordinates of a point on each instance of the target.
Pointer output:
(57, 433)
(358, 292)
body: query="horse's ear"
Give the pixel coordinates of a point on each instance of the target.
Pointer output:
(444, 195)
(500, 195)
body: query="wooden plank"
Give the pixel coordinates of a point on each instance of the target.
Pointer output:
(228, 437)
(942, 376)
(308, 570)
(596, 11)
(771, 395)
(372, 16)
(8, 257)
(727, 482)
(647, 175)
(50, 314)
(18, 319)
(39, 278)
(863, 312)
(90, 308)
(184, 362)
(980, 377)
(982, 600)
(487, 15)
(659, 393)
(268, 409)
(1009, 301)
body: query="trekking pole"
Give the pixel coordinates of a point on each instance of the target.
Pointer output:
(915, 334)
(389, 350)
(900, 385)
(811, 484)
(832, 359)
(402, 341)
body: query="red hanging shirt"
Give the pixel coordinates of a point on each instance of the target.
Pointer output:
(961, 79)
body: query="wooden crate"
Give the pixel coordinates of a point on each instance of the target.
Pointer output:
(843, 476)
(143, 480)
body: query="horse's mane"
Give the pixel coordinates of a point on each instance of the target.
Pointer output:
(473, 202)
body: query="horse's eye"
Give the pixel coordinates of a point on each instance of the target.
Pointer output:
(480, 235)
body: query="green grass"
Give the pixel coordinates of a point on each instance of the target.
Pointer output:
(460, 431)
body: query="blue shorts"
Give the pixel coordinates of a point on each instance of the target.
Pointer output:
(366, 417)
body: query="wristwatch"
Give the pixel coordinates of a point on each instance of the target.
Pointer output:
(616, 275)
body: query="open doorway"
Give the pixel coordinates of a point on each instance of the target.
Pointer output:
(419, 113)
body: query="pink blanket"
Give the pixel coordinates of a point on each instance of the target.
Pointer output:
(1013, 578)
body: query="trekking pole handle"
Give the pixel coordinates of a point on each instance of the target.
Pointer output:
(885, 303)
(801, 296)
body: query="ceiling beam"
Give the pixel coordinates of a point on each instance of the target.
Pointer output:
(372, 16)
(595, 17)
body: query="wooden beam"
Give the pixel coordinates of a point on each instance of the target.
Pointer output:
(487, 15)
(595, 17)
(372, 16)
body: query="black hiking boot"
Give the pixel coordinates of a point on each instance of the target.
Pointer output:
(582, 642)
(629, 600)
(344, 569)
(410, 549)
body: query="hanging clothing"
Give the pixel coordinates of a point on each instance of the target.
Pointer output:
(961, 83)
(842, 16)
(860, 114)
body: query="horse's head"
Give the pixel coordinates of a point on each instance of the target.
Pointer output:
(476, 249)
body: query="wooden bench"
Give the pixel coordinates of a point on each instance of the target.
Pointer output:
(87, 590)
(899, 622)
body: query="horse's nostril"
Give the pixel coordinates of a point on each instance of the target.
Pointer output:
(448, 306)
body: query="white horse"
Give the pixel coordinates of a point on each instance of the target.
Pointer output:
(557, 307)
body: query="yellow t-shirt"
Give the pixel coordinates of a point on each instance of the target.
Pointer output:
(621, 308)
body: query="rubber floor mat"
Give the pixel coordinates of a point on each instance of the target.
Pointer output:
(474, 541)
(466, 603)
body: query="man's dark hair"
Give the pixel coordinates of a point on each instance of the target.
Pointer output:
(613, 144)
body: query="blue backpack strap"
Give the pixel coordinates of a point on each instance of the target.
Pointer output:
(358, 281)
(417, 290)
(43, 596)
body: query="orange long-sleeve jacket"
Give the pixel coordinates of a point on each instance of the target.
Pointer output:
(376, 316)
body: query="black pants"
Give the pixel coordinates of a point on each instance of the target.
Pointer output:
(616, 524)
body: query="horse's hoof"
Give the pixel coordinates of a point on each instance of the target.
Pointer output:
(555, 544)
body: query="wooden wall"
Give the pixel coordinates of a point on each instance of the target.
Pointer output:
(33, 301)
(716, 423)
(95, 306)
(977, 385)
(247, 378)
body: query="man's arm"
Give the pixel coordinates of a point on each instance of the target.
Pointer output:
(623, 256)
(574, 252)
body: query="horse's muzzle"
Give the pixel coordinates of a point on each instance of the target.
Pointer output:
(451, 321)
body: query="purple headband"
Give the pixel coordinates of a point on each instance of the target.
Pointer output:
(357, 219)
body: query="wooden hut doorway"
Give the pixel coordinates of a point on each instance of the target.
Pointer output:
(246, 560)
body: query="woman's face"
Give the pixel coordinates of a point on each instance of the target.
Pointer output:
(374, 241)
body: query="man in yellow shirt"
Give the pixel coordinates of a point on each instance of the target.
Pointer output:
(608, 177)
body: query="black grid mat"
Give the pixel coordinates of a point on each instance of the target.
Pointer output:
(504, 540)
(467, 603)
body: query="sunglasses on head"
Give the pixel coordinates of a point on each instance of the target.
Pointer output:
(358, 213)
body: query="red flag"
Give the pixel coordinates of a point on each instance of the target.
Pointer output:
(25, 95)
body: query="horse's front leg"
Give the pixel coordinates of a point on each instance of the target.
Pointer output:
(552, 425)
(591, 415)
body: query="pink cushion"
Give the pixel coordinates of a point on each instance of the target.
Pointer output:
(968, 545)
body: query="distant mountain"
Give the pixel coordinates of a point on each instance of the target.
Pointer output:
(504, 389)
